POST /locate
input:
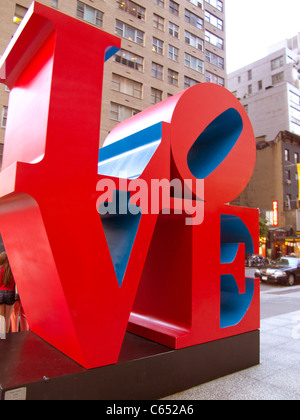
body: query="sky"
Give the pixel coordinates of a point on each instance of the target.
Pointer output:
(254, 25)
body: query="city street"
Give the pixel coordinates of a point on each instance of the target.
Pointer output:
(277, 299)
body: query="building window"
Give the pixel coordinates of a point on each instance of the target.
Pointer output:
(121, 113)
(174, 8)
(158, 22)
(296, 157)
(278, 78)
(260, 85)
(188, 82)
(198, 3)
(214, 40)
(174, 30)
(214, 59)
(193, 63)
(125, 31)
(194, 41)
(215, 21)
(127, 86)
(249, 75)
(277, 63)
(193, 19)
(173, 77)
(89, 14)
(287, 155)
(54, 3)
(157, 71)
(173, 53)
(295, 115)
(20, 12)
(218, 4)
(294, 98)
(249, 89)
(130, 59)
(157, 46)
(160, 3)
(132, 8)
(156, 96)
(294, 120)
(213, 78)
(288, 204)
(4, 117)
(295, 128)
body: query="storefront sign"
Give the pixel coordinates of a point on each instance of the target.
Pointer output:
(275, 214)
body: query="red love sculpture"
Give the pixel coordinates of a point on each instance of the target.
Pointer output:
(83, 275)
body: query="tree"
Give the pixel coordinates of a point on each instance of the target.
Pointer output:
(263, 228)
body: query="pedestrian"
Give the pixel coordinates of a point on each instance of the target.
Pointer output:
(7, 295)
(18, 318)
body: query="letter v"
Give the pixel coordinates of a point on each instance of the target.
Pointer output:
(120, 232)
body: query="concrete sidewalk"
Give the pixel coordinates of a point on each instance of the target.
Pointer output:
(276, 378)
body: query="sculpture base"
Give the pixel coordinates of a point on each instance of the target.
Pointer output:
(32, 369)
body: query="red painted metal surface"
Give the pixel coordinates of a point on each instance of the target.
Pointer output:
(174, 284)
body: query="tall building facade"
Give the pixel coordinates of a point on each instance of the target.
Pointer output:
(167, 46)
(275, 181)
(269, 90)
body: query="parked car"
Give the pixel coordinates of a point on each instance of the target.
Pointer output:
(256, 261)
(285, 270)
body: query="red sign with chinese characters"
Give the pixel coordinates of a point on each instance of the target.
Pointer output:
(275, 214)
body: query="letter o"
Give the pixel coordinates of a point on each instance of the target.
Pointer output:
(212, 139)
